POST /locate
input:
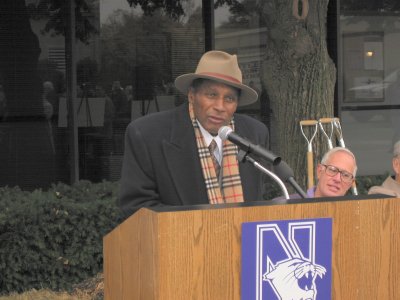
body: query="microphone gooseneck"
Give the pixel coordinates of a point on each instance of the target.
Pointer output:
(226, 133)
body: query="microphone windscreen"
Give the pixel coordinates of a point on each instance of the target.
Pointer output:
(223, 132)
(283, 171)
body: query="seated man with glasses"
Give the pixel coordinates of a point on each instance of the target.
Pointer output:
(335, 173)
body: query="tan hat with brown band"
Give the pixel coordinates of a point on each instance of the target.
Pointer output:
(222, 67)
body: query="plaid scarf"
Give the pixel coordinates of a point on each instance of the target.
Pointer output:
(230, 190)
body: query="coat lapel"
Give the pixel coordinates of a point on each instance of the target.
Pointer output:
(183, 160)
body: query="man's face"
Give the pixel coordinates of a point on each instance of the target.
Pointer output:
(331, 186)
(214, 104)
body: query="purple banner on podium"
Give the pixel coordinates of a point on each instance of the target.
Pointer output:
(289, 259)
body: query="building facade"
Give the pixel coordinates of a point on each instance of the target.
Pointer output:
(124, 61)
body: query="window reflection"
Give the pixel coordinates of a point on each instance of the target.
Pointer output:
(370, 82)
(125, 69)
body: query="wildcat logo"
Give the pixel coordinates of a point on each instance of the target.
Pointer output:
(295, 279)
(288, 265)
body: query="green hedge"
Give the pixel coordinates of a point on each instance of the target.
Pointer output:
(53, 239)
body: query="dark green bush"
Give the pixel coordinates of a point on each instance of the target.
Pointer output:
(53, 239)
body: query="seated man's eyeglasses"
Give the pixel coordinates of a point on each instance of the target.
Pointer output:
(332, 171)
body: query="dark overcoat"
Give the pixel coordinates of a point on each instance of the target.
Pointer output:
(161, 165)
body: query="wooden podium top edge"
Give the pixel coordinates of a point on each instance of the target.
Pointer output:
(160, 209)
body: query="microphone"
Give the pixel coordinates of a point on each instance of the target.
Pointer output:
(226, 133)
(285, 173)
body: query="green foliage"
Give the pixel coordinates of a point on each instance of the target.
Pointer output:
(173, 8)
(55, 13)
(54, 239)
(128, 42)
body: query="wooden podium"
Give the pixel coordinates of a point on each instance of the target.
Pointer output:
(195, 252)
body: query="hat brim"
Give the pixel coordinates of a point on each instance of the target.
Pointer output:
(247, 94)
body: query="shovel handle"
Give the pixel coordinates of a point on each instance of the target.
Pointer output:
(310, 169)
(326, 120)
(308, 122)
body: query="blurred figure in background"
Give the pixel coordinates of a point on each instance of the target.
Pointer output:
(109, 112)
(120, 100)
(122, 115)
(391, 186)
(50, 100)
(129, 93)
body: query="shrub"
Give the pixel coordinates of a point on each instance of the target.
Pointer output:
(54, 239)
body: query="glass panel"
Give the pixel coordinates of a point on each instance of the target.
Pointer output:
(369, 81)
(127, 72)
(370, 134)
(239, 29)
(126, 63)
(33, 150)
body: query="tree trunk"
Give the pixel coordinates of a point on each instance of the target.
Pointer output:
(298, 76)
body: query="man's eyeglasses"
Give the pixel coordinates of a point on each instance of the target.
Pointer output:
(332, 171)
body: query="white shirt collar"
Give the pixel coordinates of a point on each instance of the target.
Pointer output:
(208, 139)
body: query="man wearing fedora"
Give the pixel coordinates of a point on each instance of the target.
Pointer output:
(167, 160)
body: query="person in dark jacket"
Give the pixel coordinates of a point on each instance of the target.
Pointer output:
(167, 159)
(391, 185)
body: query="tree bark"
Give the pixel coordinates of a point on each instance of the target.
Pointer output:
(298, 76)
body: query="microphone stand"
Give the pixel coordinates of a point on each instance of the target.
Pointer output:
(243, 157)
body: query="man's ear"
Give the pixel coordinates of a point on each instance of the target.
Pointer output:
(396, 165)
(191, 95)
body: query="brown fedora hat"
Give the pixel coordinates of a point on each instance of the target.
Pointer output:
(222, 67)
